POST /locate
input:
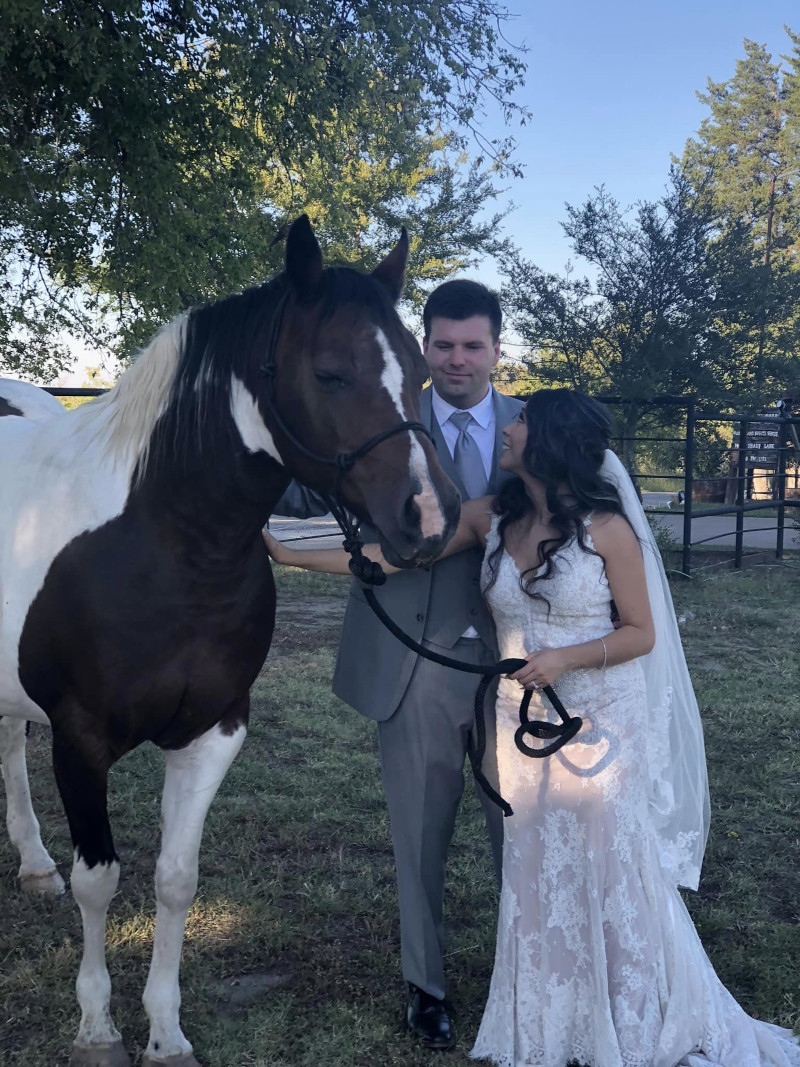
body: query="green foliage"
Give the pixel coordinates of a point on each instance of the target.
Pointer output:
(750, 137)
(513, 378)
(746, 158)
(648, 324)
(697, 293)
(368, 180)
(665, 539)
(150, 153)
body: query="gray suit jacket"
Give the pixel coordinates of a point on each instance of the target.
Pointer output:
(436, 604)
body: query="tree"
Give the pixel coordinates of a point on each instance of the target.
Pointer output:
(512, 377)
(648, 324)
(150, 153)
(747, 158)
(359, 196)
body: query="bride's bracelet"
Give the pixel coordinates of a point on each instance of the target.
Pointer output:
(605, 653)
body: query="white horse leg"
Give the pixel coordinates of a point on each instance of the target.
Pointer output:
(192, 778)
(98, 1043)
(37, 872)
(81, 769)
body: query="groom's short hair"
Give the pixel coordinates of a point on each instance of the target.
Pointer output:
(461, 299)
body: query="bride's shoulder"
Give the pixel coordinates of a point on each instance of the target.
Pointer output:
(600, 519)
(611, 531)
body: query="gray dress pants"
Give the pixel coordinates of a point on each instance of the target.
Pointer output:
(422, 749)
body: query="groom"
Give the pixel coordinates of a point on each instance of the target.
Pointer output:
(424, 711)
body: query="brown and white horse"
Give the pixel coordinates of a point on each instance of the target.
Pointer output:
(136, 598)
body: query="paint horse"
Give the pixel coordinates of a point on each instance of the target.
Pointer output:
(136, 595)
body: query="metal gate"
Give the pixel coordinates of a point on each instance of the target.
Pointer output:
(763, 446)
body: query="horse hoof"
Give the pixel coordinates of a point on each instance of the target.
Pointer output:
(47, 883)
(111, 1054)
(181, 1059)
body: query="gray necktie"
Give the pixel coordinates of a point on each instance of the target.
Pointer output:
(467, 457)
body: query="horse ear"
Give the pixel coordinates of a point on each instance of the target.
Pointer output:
(303, 257)
(391, 271)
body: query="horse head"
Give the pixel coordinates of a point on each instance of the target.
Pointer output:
(342, 371)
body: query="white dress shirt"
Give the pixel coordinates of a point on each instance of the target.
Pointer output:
(482, 431)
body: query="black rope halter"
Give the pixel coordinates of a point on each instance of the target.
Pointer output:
(370, 574)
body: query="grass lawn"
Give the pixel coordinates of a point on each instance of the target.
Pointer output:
(292, 953)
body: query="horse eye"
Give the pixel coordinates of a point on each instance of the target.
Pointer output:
(329, 380)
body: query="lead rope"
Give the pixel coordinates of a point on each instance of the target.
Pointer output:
(370, 574)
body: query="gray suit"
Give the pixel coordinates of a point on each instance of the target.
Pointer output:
(424, 711)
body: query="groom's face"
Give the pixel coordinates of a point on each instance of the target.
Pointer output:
(461, 354)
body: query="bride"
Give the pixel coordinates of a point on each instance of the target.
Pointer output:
(597, 960)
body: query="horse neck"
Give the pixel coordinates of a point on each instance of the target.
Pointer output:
(199, 463)
(221, 497)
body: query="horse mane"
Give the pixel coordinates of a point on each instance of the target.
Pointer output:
(218, 343)
(176, 396)
(160, 405)
(125, 417)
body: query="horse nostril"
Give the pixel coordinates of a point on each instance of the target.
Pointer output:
(411, 514)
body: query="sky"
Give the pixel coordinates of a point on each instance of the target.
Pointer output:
(611, 86)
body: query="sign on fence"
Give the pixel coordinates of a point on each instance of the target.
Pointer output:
(763, 440)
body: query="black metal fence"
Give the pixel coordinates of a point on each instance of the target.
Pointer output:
(59, 390)
(763, 445)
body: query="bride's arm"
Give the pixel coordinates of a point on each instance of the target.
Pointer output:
(327, 560)
(470, 533)
(616, 542)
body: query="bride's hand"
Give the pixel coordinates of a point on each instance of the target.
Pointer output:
(544, 667)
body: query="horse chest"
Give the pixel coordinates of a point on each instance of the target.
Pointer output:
(141, 633)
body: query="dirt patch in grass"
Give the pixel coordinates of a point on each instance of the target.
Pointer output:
(243, 989)
(304, 623)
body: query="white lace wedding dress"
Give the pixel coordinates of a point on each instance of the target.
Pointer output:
(597, 959)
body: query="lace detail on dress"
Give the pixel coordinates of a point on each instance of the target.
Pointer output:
(597, 959)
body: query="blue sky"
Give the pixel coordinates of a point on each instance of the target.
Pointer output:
(611, 88)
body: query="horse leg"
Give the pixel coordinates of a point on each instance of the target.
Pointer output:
(193, 775)
(37, 872)
(82, 776)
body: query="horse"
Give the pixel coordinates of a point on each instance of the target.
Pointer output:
(20, 398)
(136, 597)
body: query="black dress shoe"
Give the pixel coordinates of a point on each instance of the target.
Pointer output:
(427, 1017)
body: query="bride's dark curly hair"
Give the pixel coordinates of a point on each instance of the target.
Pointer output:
(568, 434)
